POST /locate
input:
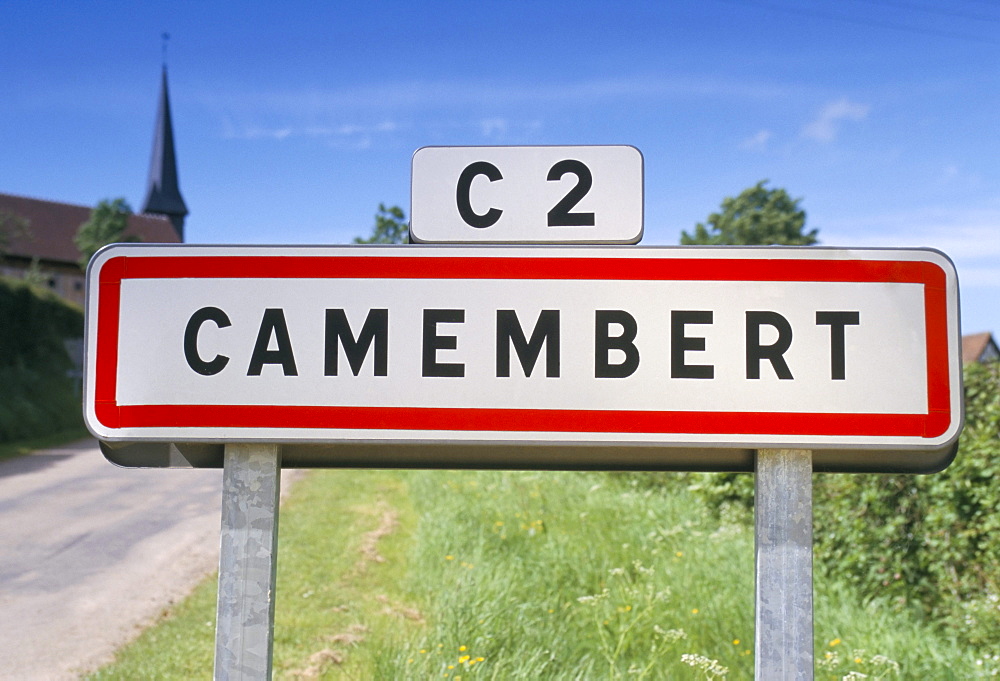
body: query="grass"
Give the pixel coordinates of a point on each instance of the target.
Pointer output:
(502, 575)
(341, 556)
(9, 450)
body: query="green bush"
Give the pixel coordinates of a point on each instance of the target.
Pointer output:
(929, 543)
(38, 396)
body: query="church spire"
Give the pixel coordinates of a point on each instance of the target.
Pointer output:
(163, 195)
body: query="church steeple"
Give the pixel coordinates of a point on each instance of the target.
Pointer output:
(163, 195)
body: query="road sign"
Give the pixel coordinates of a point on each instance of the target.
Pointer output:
(527, 357)
(578, 194)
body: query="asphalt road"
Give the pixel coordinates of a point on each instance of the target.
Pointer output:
(91, 553)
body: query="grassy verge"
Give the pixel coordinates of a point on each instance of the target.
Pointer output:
(342, 550)
(9, 450)
(492, 575)
(584, 576)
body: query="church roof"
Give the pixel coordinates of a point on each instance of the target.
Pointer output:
(163, 194)
(52, 226)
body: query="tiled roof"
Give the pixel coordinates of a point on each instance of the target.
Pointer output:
(975, 345)
(52, 226)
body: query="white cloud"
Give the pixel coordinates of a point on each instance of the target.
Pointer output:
(252, 131)
(757, 142)
(971, 238)
(422, 94)
(494, 127)
(968, 234)
(318, 112)
(979, 276)
(827, 125)
(956, 177)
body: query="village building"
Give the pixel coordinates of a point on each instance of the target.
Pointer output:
(37, 235)
(979, 347)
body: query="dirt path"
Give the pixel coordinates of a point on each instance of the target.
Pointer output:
(91, 553)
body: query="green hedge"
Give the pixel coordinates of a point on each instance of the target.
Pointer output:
(37, 395)
(921, 542)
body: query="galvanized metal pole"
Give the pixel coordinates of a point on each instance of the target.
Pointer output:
(244, 632)
(784, 594)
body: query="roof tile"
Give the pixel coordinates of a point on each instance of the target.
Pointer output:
(53, 225)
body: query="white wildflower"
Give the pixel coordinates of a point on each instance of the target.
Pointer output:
(711, 667)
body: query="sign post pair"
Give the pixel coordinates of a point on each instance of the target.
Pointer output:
(562, 354)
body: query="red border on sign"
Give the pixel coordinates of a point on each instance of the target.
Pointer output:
(929, 425)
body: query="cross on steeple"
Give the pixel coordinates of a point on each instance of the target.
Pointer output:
(163, 195)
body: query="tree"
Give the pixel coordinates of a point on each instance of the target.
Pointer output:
(390, 227)
(12, 227)
(106, 225)
(757, 217)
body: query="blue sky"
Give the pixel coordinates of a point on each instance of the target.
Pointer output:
(294, 119)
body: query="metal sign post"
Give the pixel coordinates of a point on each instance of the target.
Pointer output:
(783, 549)
(244, 632)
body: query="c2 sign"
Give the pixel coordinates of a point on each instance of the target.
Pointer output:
(580, 194)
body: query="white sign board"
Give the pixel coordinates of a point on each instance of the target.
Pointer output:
(584, 346)
(576, 194)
